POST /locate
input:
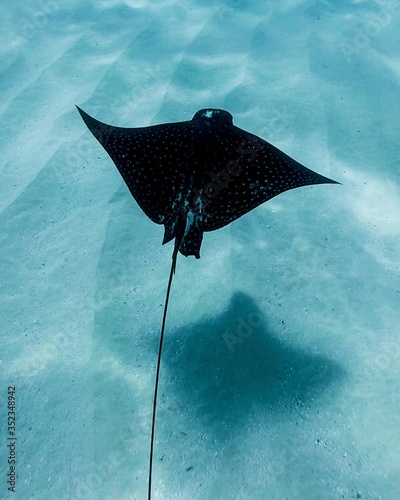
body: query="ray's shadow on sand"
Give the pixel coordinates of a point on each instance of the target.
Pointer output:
(224, 366)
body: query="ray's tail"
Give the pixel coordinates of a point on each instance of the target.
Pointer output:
(153, 422)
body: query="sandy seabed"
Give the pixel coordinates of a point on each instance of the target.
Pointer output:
(306, 403)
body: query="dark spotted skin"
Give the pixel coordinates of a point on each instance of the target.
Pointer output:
(199, 175)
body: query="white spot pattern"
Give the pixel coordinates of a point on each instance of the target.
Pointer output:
(199, 175)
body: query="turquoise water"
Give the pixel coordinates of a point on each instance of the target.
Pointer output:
(305, 404)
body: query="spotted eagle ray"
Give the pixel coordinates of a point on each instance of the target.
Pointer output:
(197, 176)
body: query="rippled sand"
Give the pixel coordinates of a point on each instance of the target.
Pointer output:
(305, 405)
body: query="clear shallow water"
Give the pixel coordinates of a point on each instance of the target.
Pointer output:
(307, 405)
